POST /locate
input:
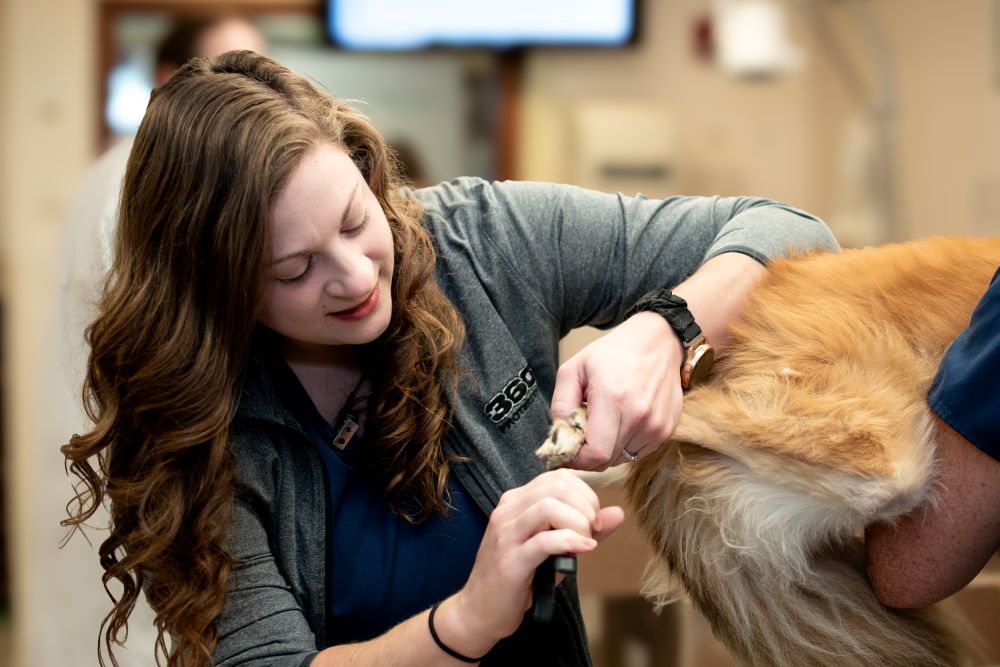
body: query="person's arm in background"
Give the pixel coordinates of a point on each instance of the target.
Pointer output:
(938, 549)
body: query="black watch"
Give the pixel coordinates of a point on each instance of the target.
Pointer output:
(699, 355)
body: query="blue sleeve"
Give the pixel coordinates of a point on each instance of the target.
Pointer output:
(965, 393)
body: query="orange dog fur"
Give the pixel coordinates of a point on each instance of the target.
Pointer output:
(812, 426)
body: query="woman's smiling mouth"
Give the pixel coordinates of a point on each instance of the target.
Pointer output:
(360, 311)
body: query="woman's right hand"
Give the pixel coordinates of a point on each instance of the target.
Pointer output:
(555, 513)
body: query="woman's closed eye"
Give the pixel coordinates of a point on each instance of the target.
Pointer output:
(296, 272)
(356, 229)
(296, 278)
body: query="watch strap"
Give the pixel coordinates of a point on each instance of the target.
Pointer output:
(673, 309)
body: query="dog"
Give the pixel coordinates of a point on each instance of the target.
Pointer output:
(813, 425)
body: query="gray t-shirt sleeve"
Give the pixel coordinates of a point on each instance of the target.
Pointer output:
(586, 256)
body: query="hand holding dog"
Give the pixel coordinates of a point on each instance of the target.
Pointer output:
(555, 513)
(630, 381)
(630, 378)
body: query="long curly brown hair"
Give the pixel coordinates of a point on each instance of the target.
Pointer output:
(176, 319)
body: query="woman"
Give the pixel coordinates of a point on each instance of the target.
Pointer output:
(316, 394)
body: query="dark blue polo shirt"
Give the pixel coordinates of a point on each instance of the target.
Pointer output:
(966, 391)
(381, 569)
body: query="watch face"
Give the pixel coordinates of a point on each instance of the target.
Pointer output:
(699, 362)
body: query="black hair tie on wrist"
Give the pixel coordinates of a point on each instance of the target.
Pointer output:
(441, 645)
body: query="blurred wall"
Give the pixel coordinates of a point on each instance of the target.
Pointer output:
(949, 134)
(731, 136)
(791, 137)
(946, 58)
(47, 55)
(783, 139)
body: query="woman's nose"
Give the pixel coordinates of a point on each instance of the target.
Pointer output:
(351, 275)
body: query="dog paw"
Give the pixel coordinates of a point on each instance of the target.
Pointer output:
(565, 439)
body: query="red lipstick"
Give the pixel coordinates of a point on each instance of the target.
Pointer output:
(361, 311)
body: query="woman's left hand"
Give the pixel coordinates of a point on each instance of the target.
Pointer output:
(630, 381)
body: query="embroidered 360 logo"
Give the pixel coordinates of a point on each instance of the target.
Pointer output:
(508, 404)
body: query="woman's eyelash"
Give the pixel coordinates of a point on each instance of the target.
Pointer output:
(299, 278)
(357, 228)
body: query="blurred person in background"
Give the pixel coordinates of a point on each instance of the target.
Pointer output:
(316, 395)
(90, 230)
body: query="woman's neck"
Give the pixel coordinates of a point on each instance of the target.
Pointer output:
(331, 380)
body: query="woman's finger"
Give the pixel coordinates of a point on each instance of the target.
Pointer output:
(552, 543)
(561, 484)
(548, 514)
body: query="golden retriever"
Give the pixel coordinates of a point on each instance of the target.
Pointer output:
(813, 425)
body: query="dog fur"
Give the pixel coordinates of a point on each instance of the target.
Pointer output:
(813, 425)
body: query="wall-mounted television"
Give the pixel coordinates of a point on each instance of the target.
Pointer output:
(400, 25)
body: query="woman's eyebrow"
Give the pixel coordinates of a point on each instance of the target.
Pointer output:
(353, 203)
(291, 255)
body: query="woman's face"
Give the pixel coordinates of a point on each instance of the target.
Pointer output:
(331, 266)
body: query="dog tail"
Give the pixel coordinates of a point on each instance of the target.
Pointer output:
(763, 562)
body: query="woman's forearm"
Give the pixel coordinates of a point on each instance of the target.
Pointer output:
(717, 291)
(410, 642)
